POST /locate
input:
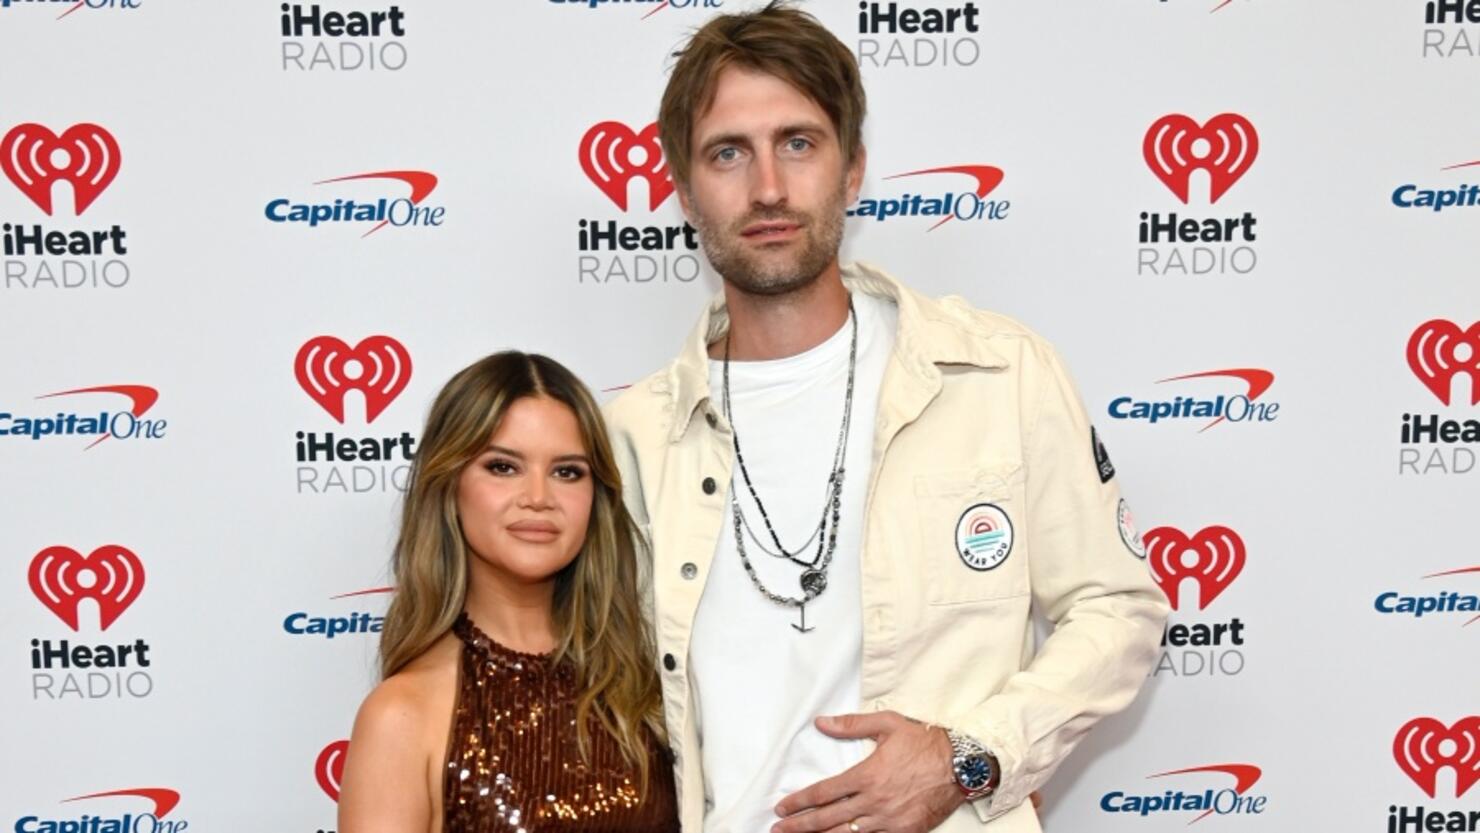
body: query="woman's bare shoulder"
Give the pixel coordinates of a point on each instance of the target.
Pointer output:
(418, 698)
(391, 778)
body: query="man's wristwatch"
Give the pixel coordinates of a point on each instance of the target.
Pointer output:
(974, 767)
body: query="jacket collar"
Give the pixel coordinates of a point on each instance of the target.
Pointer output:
(930, 333)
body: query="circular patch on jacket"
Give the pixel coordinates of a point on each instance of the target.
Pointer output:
(984, 536)
(1128, 532)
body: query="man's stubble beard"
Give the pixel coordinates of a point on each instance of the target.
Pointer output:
(822, 238)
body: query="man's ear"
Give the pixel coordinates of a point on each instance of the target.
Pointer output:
(682, 190)
(855, 173)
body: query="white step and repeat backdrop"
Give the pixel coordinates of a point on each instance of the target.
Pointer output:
(1249, 225)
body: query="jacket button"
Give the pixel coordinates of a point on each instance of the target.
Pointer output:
(669, 662)
(709, 486)
(689, 570)
(710, 418)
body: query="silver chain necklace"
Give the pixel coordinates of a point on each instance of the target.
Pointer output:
(813, 579)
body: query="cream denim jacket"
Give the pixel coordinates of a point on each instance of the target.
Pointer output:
(977, 419)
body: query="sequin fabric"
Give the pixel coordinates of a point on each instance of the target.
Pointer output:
(512, 762)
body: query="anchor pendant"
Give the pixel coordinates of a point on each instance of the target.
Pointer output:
(813, 583)
(802, 628)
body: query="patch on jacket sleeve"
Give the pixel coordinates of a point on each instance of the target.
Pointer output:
(1128, 533)
(984, 536)
(1102, 457)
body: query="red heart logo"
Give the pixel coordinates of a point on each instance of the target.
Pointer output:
(1218, 558)
(382, 370)
(1432, 354)
(606, 157)
(1418, 749)
(27, 155)
(111, 575)
(329, 768)
(1232, 145)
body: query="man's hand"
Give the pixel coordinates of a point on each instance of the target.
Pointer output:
(905, 786)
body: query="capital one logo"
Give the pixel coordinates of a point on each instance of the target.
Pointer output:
(328, 769)
(612, 154)
(110, 575)
(379, 367)
(1213, 557)
(163, 801)
(1227, 801)
(1424, 746)
(1439, 350)
(946, 204)
(85, 156)
(1223, 146)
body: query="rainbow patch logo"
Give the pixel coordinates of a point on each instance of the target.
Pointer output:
(984, 536)
(1128, 533)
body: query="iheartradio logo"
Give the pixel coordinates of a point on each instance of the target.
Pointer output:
(328, 769)
(1439, 350)
(86, 156)
(612, 154)
(1225, 146)
(1424, 746)
(379, 367)
(1213, 558)
(110, 575)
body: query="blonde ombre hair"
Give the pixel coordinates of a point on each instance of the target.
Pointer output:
(598, 619)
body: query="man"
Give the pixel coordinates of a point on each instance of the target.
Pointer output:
(853, 493)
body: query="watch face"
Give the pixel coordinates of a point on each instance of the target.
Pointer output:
(973, 772)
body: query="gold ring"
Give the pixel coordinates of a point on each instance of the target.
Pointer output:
(853, 827)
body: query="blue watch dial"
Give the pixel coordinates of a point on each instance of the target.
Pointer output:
(974, 772)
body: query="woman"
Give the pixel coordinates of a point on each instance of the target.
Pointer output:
(519, 690)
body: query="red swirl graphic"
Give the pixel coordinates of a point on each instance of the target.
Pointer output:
(422, 184)
(164, 799)
(1244, 776)
(987, 178)
(142, 396)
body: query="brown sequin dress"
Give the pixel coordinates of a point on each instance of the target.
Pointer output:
(512, 760)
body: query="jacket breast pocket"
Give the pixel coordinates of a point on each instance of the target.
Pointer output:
(973, 534)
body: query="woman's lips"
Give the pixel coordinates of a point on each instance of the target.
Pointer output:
(539, 532)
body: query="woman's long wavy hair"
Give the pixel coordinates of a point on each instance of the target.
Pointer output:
(599, 625)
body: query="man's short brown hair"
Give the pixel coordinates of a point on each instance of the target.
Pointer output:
(777, 40)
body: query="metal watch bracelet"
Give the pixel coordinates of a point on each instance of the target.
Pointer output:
(973, 766)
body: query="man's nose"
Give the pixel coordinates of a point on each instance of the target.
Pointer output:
(768, 182)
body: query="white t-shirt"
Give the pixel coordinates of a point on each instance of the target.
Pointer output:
(759, 683)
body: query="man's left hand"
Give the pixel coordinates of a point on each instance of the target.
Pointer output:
(905, 786)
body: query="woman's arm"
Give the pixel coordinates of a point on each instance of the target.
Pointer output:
(386, 787)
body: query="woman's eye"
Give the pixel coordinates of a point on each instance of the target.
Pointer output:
(570, 472)
(501, 467)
